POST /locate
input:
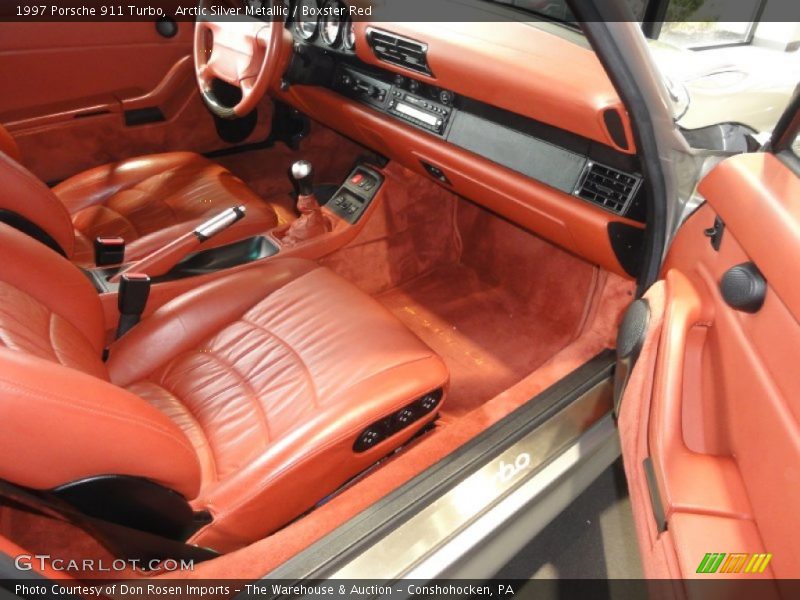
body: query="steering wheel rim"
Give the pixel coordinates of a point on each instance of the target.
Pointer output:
(241, 52)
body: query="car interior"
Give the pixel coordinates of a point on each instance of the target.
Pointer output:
(257, 275)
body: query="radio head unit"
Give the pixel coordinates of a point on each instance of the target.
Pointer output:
(420, 107)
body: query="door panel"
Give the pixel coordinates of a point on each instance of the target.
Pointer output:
(59, 64)
(79, 91)
(720, 421)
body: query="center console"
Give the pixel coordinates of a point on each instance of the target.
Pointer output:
(344, 208)
(420, 104)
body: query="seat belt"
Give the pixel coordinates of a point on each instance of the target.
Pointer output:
(109, 251)
(124, 542)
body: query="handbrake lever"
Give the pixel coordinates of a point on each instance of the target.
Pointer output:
(162, 260)
(208, 229)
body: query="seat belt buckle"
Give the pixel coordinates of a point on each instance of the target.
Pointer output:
(109, 251)
(134, 290)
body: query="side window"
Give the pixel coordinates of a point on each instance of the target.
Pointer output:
(698, 24)
(719, 57)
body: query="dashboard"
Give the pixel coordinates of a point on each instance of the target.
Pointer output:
(517, 116)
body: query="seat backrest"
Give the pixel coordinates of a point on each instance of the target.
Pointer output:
(61, 420)
(29, 205)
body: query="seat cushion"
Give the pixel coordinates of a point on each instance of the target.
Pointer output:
(273, 373)
(151, 200)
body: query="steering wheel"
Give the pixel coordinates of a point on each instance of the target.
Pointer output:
(239, 51)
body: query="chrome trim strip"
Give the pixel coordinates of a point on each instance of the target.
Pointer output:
(538, 495)
(532, 464)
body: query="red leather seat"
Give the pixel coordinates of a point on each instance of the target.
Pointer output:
(148, 201)
(245, 395)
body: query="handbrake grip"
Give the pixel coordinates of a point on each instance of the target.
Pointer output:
(220, 223)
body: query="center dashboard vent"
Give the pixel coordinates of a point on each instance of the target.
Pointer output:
(398, 50)
(607, 187)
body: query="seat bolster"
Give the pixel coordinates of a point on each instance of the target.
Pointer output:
(25, 195)
(316, 457)
(54, 282)
(88, 426)
(8, 145)
(96, 185)
(181, 324)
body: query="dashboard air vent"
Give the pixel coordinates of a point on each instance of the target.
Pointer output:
(397, 50)
(607, 187)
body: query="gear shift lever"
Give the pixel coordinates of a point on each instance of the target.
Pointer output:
(303, 175)
(311, 222)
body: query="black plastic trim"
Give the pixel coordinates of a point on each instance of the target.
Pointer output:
(123, 541)
(363, 530)
(350, 200)
(385, 428)
(655, 495)
(627, 242)
(787, 127)
(143, 116)
(29, 228)
(715, 233)
(133, 502)
(220, 258)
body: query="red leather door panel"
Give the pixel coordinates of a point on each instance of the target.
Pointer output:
(716, 400)
(73, 82)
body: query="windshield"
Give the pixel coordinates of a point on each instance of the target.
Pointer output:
(554, 10)
(558, 10)
(722, 60)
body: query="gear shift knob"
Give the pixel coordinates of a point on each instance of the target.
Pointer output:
(303, 175)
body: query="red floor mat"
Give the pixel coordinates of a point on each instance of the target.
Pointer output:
(488, 337)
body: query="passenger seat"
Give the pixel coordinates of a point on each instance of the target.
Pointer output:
(253, 397)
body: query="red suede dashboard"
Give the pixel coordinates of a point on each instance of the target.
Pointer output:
(513, 66)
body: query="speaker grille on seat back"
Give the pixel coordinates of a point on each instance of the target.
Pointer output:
(607, 187)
